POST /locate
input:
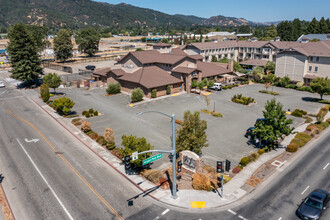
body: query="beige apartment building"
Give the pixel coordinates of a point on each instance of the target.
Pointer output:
(304, 62)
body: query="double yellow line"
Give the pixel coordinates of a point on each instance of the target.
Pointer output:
(72, 168)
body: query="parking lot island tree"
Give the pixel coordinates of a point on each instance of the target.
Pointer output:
(113, 88)
(136, 95)
(321, 86)
(23, 54)
(88, 41)
(192, 135)
(63, 47)
(52, 80)
(63, 105)
(131, 144)
(274, 126)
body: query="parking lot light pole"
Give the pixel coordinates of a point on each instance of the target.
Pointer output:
(173, 152)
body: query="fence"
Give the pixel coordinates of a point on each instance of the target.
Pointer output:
(81, 75)
(53, 66)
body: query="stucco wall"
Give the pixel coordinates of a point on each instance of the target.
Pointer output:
(290, 64)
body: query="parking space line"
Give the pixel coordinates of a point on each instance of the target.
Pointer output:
(166, 211)
(241, 217)
(305, 190)
(325, 167)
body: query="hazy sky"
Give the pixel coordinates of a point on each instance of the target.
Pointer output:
(253, 10)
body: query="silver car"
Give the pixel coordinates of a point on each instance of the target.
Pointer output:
(2, 84)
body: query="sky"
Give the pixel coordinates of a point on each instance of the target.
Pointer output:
(252, 10)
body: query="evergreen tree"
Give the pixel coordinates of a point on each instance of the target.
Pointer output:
(313, 27)
(88, 41)
(296, 29)
(52, 80)
(328, 23)
(23, 54)
(192, 135)
(323, 26)
(38, 35)
(271, 32)
(275, 126)
(63, 45)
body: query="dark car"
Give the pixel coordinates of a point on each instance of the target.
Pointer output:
(249, 132)
(259, 120)
(313, 205)
(90, 67)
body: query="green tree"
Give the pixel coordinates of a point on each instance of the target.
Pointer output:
(283, 82)
(192, 135)
(39, 36)
(168, 89)
(270, 79)
(323, 26)
(321, 85)
(237, 66)
(139, 49)
(223, 60)
(271, 32)
(88, 41)
(258, 70)
(296, 29)
(113, 88)
(63, 46)
(23, 54)
(214, 59)
(285, 30)
(63, 105)
(275, 126)
(270, 67)
(52, 80)
(313, 27)
(137, 95)
(44, 92)
(131, 144)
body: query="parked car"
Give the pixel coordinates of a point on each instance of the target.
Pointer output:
(249, 132)
(313, 205)
(259, 120)
(2, 84)
(90, 67)
(217, 86)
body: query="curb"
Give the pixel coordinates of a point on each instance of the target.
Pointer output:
(6, 199)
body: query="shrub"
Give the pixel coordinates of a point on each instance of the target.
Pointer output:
(324, 101)
(84, 113)
(93, 135)
(298, 113)
(238, 98)
(308, 119)
(96, 113)
(324, 124)
(290, 86)
(137, 95)
(254, 156)
(152, 175)
(305, 88)
(85, 126)
(261, 151)
(269, 92)
(87, 115)
(245, 161)
(100, 140)
(216, 114)
(194, 84)
(154, 93)
(224, 87)
(76, 121)
(320, 116)
(202, 182)
(113, 88)
(226, 178)
(292, 148)
(63, 105)
(299, 84)
(328, 121)
(109, 138)
(168, 90)
(44, 92)
(236, 169)
(283, 82)
(91, 111)
(301, 139)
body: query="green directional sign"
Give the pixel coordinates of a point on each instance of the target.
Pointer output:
(151, 159)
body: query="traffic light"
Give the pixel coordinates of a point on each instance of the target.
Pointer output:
(179, 166)
(219, 167)
(227, 165)
(127, 162)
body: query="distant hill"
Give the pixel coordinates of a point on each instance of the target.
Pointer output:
(80, 13)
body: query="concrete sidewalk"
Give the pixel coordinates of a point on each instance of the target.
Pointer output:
(233, 190)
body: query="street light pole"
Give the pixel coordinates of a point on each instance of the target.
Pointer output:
(173, 152)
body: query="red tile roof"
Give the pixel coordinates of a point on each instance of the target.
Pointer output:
(118, 72)
(211, 69)
(102, 72)
(151, 77)
(185, 70)
(254, 62)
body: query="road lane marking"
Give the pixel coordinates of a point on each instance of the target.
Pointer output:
(325, 167)
(157, 218)
(280, 218)
(305, 190)
(242, 217)
(32, 140)
(232, 212)
(166, 211)
(44, 179)
(67, 162)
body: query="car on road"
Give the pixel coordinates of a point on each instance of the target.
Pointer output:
(90, 67)
(313, 205)
(2, 84)
(217, 86)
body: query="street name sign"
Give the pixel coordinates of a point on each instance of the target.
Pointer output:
(151, 159)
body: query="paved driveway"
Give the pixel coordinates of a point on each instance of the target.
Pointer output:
(225, 135)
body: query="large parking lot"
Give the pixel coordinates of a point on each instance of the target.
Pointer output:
(225, 135)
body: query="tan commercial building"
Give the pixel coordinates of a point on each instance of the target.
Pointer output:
(305, 61)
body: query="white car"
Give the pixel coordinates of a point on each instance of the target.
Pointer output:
(217, 86)
(2, 84)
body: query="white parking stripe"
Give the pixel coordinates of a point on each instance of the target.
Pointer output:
(231, 211)
(44, 179)
(280, 218)
(242, 217)
(325, 167)
(166, 211)
(305, 190)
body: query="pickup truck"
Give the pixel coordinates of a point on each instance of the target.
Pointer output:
(217, 86)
